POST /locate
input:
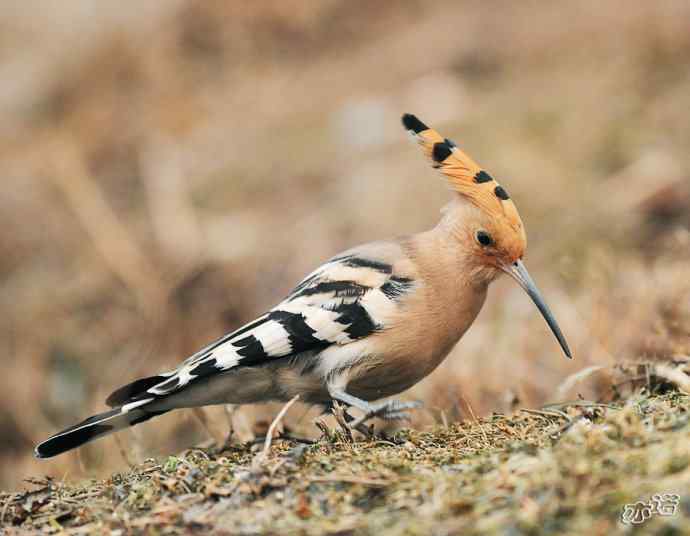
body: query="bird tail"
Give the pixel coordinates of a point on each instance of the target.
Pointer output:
(95, 427)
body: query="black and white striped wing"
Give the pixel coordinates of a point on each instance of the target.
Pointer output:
(344, 300)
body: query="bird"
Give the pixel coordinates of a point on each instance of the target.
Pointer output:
(366, 325)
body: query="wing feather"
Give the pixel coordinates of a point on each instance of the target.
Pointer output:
(345, 300)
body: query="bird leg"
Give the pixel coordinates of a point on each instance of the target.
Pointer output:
(344, 419)
(388, 410)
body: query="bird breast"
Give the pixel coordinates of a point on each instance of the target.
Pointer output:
(422, 332)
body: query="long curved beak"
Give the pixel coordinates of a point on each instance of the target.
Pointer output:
(518, 272)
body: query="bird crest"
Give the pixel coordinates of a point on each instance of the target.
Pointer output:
(465, 176)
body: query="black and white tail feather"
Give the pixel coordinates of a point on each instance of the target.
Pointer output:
(92, 428)
(345, 300)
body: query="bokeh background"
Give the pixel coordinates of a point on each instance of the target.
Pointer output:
(171, 168)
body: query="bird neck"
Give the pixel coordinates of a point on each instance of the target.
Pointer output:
(453, 290)
(447, 265)
(451, 246)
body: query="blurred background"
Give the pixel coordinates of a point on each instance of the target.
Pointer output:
(170, 169)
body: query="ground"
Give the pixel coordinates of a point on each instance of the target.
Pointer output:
(566, 468)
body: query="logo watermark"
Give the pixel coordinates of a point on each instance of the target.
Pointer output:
(660, 504)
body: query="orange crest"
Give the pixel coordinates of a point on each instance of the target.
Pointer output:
(464, 174)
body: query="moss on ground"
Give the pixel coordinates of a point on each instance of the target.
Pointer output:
(569, 468)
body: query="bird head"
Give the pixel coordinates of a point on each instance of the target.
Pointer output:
(494, 230)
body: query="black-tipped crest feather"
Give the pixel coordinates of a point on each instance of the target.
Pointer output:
(410, 122)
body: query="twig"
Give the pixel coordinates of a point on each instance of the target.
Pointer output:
(151, 469)
(481, 428)
(576, 378)
(578, 404)
(53, 515)
(78, 498)
(271, 430)
(5, 506)
(560, 413)
(351, 480)
(547, 413)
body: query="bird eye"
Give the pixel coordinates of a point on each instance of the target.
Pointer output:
(484, 238)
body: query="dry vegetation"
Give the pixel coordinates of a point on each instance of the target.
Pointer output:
(170, 172)
(568, 468)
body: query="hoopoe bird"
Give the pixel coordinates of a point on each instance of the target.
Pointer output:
(368, 324)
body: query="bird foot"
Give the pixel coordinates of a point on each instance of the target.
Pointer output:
(391, 410)
(345, 421)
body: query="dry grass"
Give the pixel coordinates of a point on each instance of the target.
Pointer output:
(568, 468)
(173, 172)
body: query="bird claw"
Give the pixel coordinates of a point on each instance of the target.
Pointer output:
(391, 410)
